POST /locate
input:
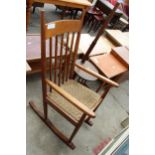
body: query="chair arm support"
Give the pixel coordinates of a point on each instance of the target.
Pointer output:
(71, 99)
(103, 78)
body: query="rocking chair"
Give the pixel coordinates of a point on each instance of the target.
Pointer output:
(74, 101)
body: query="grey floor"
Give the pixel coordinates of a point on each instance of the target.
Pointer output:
(41, 141)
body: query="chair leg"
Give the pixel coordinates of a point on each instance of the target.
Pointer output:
(52, 127)
(92, 25)
(63, 14)
(77, 127)
(100, 86)
(75, 14)
(72, 14)
(96, 26)
(89, 20)
(89, 122)
(86, 19)
(74, 76)
(33, 9)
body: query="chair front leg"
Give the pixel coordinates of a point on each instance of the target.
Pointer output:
(77, 127)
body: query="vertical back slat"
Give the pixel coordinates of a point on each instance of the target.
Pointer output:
(55, 65)
(65, 58)
(60, 58)
(50, 60)
(75, 53)
(68, 55)
(71, 53)
(50, 57)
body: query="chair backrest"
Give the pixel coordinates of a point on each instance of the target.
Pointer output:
(61, 39)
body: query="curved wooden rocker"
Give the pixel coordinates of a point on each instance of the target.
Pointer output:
(61, 91)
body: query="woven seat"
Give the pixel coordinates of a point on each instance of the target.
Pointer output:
(81, 93)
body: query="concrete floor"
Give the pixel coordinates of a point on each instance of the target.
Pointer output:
(41, 141)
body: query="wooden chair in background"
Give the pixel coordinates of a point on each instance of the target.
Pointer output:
(37, 4)
(64, 10)
(97, 21)
(90, 13)
(74, 101)
(72, 12)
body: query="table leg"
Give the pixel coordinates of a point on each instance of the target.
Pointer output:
(28, 12)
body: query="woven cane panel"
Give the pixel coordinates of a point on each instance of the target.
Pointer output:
(80, 92)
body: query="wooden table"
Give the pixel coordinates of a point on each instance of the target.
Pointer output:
(118, 37)
(33, 47)
(114, 63)
(33, 52)
(28, 68)
(81, 4)
(103, 45)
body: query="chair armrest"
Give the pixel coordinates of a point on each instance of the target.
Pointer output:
(71, 99)
(103, 78)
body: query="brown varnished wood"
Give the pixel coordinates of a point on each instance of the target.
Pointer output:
(75, 54)
(43, 60)
(67, 60)
(64, 59)
(60, 63)
(61, 27)
(50, 59)
(109, 65)
(71, 49)
(66, 55)
(103, 95)
(114, 63)
(78, 127)
(73, 3)
(122, 54)
(70, 3)
(72, 41)
(28, 12)
(55, 64)
(103, 78)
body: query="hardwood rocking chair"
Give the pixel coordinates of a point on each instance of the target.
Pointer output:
(74, 101)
